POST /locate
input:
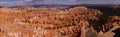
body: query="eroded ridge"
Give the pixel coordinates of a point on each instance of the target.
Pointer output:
(47, 22)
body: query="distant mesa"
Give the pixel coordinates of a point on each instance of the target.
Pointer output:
(6, 9)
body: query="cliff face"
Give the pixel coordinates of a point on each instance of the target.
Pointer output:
(52, 22)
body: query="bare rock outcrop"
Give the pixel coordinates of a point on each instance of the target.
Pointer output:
(49, 22)
(53, 22)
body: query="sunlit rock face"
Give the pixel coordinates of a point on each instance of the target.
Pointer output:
(53, 22)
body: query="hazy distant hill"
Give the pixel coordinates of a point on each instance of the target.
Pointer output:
(94, 6)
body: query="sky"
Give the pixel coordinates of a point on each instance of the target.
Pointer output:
(64, 2)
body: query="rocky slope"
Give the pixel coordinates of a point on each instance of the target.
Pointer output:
(51, 22)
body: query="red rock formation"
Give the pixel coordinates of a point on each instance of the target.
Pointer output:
(48, 22)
